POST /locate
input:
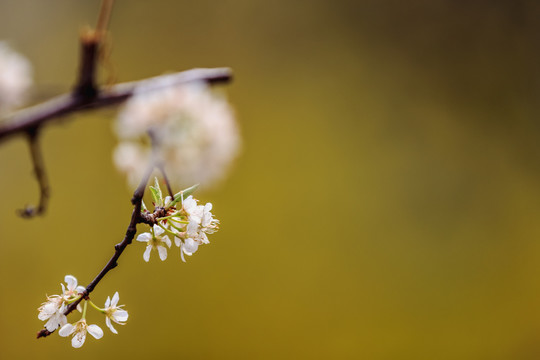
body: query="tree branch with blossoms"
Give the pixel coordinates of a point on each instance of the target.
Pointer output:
(171, 123)
(136, 218)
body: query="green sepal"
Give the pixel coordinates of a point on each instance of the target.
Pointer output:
(157, 195)
(184, 193)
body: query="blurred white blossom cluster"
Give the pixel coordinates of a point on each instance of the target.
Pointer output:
(54, 308)
(193, 129)
(15, 78)
(183, 219)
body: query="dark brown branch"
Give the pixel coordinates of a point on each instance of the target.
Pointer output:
(85, 89)
(119, 248)
(62, 105)
(166, 179)
(41, 176)
(86, 95)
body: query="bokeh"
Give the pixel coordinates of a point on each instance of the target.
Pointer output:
(385, 206)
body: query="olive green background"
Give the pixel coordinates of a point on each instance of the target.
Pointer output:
(385, 206)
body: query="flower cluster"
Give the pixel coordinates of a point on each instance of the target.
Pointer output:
(188, 224)
(15, 78)
(194, 133)
(53, 311)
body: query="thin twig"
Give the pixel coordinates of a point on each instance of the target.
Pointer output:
(119, 248)
(41, 176)
(104, 17)
(63, 105)
(166, 179)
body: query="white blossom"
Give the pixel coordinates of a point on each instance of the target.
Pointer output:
(79, 330)
(15, 78)
(114, 313)
(192, 209)
(195, 131)
(155, 240)
(209, 224)
(201, 222)
(188, 247)
(53, 309)
(71, 289)
(188, 222)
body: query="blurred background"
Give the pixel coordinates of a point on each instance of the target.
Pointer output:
(385, 205)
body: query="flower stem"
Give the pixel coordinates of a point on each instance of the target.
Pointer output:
(167, 230)
(84, 310)
(96, 307)
(172, 217)
(74, 299)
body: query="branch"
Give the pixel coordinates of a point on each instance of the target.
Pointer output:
(86, 95)
(41, 176)
(66, 104)
(136, 218)
(104, 17)
(166, 179)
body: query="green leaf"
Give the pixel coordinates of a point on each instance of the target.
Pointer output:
(157, 195)
(183, 194)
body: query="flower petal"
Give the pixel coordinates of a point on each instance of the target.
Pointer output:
(110, 326)
(115, 299)
(168, 200)
(66, 330)
(205, 238)
(177, 241)
(71, 282)
(95, 331)
(193, 227)
(47, 310)
(80, 289)
(190, 246)
(78, 340)
(158, 230)
(182, 253)
(144, 237)
(189, 203)
(62, 320)
(146, 255)
(55, 321)
(44, 316)
(166, 240)
(120, 315)
(107, 302)
(162, 250)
